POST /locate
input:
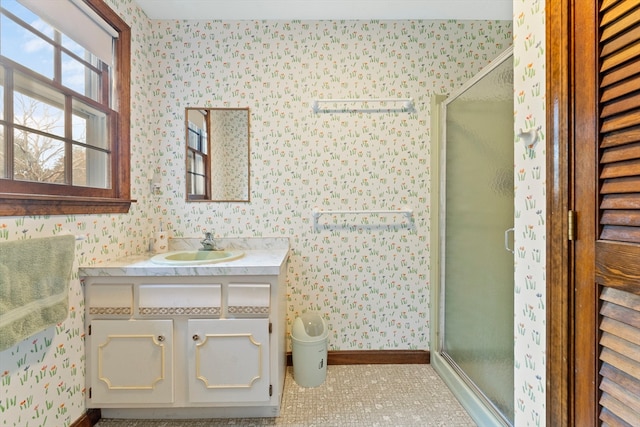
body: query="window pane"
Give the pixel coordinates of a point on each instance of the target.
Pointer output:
(90, 168)
(194, 137)
(190, 161)
(28, 17)
(1, 93)
(199, 184)
(3, 142)
(199, 165)
(73, 46)
(38, 158)
(38, 107)
(80, 78)
(25, 48)
(89, 125)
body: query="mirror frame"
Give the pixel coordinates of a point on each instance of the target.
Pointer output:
(208, 196)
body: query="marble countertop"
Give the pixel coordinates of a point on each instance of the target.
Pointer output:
(258, 259)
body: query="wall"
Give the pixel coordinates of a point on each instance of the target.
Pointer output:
(42, 378)
(530, 213)
(368, 275)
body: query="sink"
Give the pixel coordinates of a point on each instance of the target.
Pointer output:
(196, 257)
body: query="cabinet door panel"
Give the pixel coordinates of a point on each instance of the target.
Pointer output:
(229, 360)
(131, 361)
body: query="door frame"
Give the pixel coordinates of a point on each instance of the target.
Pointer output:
(571, 372)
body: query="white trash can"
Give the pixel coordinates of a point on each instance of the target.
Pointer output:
(309, 349)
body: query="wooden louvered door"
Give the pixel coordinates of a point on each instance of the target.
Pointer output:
(607, 200)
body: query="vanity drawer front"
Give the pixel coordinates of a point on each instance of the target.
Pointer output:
(248, 299)
(180, 299)
(110, 299)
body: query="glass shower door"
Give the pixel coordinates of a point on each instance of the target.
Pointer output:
(478, 283)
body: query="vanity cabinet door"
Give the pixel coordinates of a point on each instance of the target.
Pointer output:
(131, 362)
(228, 360)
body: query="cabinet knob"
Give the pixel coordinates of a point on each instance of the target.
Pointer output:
(160, 338)
(196, 337)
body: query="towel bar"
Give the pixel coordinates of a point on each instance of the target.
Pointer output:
(317, 213)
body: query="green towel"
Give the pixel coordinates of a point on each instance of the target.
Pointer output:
(34, 286)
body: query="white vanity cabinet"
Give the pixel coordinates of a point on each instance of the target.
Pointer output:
(185, 346)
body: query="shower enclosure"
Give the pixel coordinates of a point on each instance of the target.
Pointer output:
(473, 320)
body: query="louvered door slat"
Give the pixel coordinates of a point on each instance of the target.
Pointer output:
(620, 56)
(623, 217)
(621, 73)
(607, 4)
(621, 330)
(621, 105)
(620, 26)
(620, 394)
(616, 11)
(620, 169)
(621, 201)
(621, 298)
(626, 136)
(621, 185)
(621, 346)
(622, 153)
(620, 233)
(621, 314)
(630, 384)
(611, 420)
(619, 410)
(620, 362)
(621, 121)
(625, 40)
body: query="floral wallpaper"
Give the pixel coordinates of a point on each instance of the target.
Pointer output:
(530, 213)
(367, 274)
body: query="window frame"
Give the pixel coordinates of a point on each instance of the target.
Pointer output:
(30, 198)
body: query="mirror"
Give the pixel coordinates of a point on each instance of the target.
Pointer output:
(217, 154)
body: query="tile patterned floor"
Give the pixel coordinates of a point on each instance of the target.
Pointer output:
(351, 396)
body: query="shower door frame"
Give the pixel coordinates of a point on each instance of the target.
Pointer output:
(480, 409)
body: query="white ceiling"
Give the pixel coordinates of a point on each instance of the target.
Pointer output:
(327, 9)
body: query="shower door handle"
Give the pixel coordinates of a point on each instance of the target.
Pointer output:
(506, 240)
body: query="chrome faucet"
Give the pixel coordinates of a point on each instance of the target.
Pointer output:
(208, 244)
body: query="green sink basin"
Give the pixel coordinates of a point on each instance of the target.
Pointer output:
(196, 257)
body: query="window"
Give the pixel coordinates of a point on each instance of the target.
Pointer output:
(64, 108)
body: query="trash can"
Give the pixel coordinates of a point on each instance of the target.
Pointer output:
(309, 347)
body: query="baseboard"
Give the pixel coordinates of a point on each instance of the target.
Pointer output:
(88, 419)
(374, 357)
